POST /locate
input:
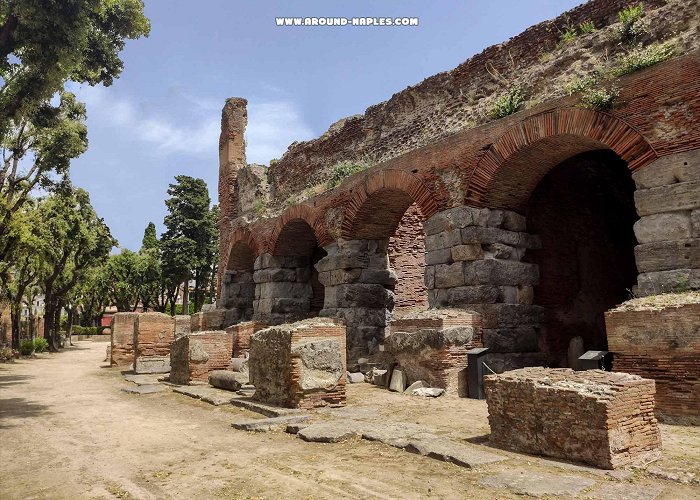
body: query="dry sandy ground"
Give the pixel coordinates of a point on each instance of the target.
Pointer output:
(67, 431)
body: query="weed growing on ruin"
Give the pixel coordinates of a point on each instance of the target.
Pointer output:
(640, 58)
(600, 98)
(582, 83)
(508, 103)
(346, 168)
(568, 35)
(260, 207)
(586, 27)
(632, 26)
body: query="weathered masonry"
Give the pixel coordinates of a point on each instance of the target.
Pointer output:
(540, 220)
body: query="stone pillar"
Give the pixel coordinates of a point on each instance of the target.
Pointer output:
(282, 289)
(234, 119)
(358, 288)
(668, 232)
(474, 261)
(237, 296)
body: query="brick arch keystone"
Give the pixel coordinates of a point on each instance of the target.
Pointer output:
(308, 215)
(568, 129)
(396, 180)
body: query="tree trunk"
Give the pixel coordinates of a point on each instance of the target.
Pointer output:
(15, 312)
(185, 298)
(30, 323)
(49, 318)
(69, 326)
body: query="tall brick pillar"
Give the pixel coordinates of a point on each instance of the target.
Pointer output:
(234, 118)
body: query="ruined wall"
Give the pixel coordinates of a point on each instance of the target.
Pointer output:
(661, 343)
(601, 418)
(209, 351)
(122, 339)
(668, 201)
(241, 333)
(283, 292)
(153, 334)
(406, 251)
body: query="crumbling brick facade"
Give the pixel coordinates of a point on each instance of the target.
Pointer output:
(431, 346)
(241, 333)
(300, 365)
(122, 339)
(153, 334)
(661, 343)
(601, 418)
(209, 351)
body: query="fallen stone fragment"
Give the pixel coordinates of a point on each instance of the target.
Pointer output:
(418, 384)
(263, 408)
(330, 432)
(398, 381)
(355, 378)
(224, 379)
(217, 399)
(193, 391)
(269, 424)
(379, 377)
(294, 428)
(431, 392)
(537, 484)
(145, 389)
(447, 450)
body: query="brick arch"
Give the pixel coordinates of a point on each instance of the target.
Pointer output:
(299, 215)
(511, 168)
(393, 191)
(241, 236)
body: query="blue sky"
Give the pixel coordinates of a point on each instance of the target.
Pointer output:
(162, 117)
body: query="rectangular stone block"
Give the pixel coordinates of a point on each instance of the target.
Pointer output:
(673, 198)
(449, 275)
(668, 255)
(605, 419)
(668, 170)
(183, 325)
(500, 272)
(299, 365)
(180, 360)
(677, 280)
(515, 339)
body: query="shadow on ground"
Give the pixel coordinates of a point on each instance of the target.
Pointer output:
(17, 408)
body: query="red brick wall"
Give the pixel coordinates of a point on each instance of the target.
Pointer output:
(407, 258)
(663, 345)
(122, 337)
(241, 334)
(155, 332)
(218, 346)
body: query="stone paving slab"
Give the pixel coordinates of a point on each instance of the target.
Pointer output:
(140, 379)
(211, 395)
(145, 389)
(262, 408)
(451, 451)
(269, 424)
(196, 391)
(537, 484)
(621, 491)
(330, 432)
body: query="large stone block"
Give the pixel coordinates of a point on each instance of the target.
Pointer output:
(183, 325)
(122, 339)
(515, 339)
(449, 275)
(208, 320)
(360, 295)
(455, 218)
(668, 170)
(668, 255)
(180, 360)
(677, 280)
(600, 418)
(300, 365)
(500, 272)
(663, 227)
(676, 197)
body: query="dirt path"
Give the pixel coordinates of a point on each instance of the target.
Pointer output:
(67, 431)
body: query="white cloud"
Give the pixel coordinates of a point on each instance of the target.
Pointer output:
(272, 125)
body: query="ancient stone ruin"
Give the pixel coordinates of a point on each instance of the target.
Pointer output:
(601, 418)
(153, 334)
(122, 339)
(537, 222)
(299, 365)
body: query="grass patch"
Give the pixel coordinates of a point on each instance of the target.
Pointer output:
(345, 168)
(640, 58)
(631, 25)
(586, 27)
(508, 103)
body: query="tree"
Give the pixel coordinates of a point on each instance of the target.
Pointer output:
(150, 270)
(189, 242)
(74, 239)
(45, 43)
(121, 272)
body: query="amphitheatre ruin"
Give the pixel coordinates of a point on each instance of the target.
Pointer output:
(436, 251)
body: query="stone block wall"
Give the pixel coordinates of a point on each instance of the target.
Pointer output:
(359, 289)
(237, 295)
(180, 360)
(209, 351)
(216, 319)
(153, 334)
(282, 289)
(668, 232)
(432, 346)
(241, 333)
(299, 365)
(474, 261)
(601, 418)
(662, 344)
(122, 339)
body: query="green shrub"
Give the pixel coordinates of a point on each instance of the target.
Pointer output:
(631, 26)
(26, 347)
(640, 58)
(508, 103)
(600, 98)
(346, 168)
(6, 354)
(40, 344)
(259, 207)
(568, 36)
(586, 27)
(580, 84)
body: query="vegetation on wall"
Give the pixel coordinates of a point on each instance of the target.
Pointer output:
(642, 57)
(345, 168)
(508, 103)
